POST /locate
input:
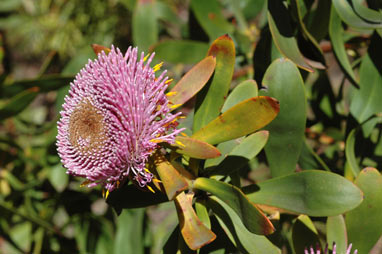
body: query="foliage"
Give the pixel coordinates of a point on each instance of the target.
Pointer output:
(283, 127)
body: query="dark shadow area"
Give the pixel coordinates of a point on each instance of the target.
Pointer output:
(130, 196)
(281, 17)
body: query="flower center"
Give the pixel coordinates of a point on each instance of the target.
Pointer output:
(87, 131)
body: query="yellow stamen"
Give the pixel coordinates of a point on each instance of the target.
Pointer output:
(175, 106)
(169, 81)
(85, 183)
(159, 107)
(183, 134)
(156, 180)
(145, 58)
(107, 194)
(103, 193)
(181, 117)
(180, 143)
(157, 67)
(118, 183)
(150, 189)
(156, 140)
(169, 94)
(148, 171)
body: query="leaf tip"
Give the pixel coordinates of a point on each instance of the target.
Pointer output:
(99, 48)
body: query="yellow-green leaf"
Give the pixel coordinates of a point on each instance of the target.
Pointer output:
(240, 120)
(194, 232)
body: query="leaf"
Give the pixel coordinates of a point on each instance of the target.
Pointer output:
(58, 177)
(309, 159)
(365, 13)
(240, 120)
(310, 192)
(336, 232)
(211, 98)
(241, 154)
(366, 101)
(18, 103)
(210, 17)
(195, 148)
(310, 42)
(244, 240)
(128, 238)
(283, 149)
(99, 48)
(350, 155)
(364, 222)
(144, 24)
(336, 36)
(224, 148)
(245, 90)
(173, 182)
(304, 234)
(202, 212)
(193, 81)
(319, 26)
(347, 14)
(191, 51)
(253, 219)
(44, 84)
(194, 232)
(282, 34)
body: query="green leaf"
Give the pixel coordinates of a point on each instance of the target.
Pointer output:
(350, 155)
(245, 90)
(311, 192)
(181, 51)
(282, 34)
(283, 149)
(209, 15)
(304, 234)
(144, 25)
(128, 238)
(244, 240)
(240, 120)
(365, 13)
(336, 232)
(241, 154)
(21, 234)
(224, 148)
(253, 219)
(336, 36)
(319, 26)
(309, 159)
(202, 212)
(311, 44)
(58, 177)
(366, 101)
(194, 232)
(211, 98)
(173, 182)
(347, 14)
(193, 81)
(364, 222)
(44, 84)
(18, 103)
(195, 148)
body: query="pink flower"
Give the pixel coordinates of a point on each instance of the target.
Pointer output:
(113, 118)
(318, 250)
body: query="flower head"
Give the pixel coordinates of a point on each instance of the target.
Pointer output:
(113, 118)
(326, 251)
